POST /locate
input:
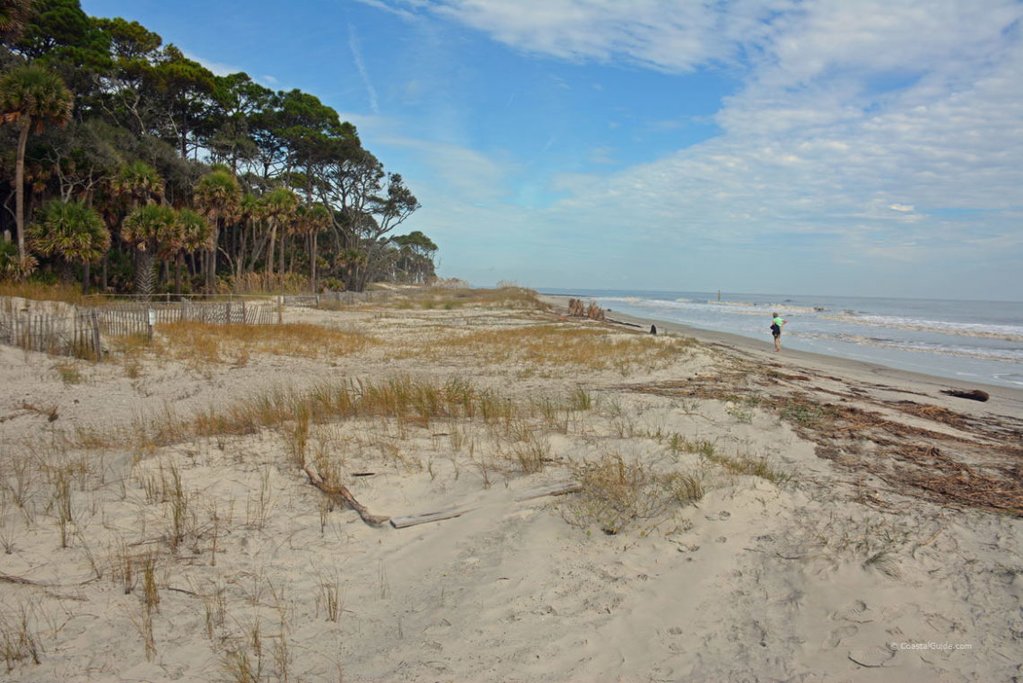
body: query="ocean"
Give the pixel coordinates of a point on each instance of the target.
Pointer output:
(971, 341)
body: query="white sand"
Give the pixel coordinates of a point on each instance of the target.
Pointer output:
(833, 575)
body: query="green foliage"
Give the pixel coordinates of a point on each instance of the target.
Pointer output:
(139, 182)
(34, 94)
(70, 231)
(150, 226)
(143, 112)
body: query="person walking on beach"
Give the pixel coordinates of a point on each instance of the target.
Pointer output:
(776, 322)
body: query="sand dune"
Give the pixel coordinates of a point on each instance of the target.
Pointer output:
(742, 515)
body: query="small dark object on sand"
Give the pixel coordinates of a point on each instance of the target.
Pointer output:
(653, 329)
(972, 394)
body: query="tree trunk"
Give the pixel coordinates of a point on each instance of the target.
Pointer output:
(312, 263)
(19, 185)
(211, 266)
(178, 263)
(85, 278)
(144, 262)
(270, 254)
(284, 235)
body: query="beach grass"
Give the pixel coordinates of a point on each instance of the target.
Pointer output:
(205, 343)
(553, 345)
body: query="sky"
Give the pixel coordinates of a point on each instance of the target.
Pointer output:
(840, 147)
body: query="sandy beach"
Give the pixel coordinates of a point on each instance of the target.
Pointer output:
(607, 505)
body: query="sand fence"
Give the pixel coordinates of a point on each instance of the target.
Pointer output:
(63, 329)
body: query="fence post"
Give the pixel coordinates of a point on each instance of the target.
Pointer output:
(98, 349)
(280, 309)
(152, 322)
(244, 321)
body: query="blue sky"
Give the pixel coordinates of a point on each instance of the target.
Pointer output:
(853, 147)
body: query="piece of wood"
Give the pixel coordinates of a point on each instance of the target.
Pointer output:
(973, 394)
(342, 496)
(8, 578)
(557, 489)
(427, 517)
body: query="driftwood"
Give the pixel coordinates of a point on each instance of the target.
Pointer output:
(425, 517)
(972, 394)
(340, 494)
(7, 578)
(557, 489)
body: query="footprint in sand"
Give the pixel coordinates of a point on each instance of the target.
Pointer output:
(836, 637)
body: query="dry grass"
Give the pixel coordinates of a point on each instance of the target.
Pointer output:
(448, 298)
(205, 343)
(742, 464)
(616, 494)
(408, 400)
(19, 640)
(71, 294)
(558, 346)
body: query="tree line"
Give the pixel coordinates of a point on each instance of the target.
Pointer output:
(138, 169)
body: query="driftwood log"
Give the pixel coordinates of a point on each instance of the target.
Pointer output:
(972, 394)
(556, 489)
(340, 494)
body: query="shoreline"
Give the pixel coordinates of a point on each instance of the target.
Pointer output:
(860, 370)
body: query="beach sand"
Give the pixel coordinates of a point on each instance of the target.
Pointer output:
(740, 515)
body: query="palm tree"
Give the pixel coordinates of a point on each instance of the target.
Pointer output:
(217, 195)
(194, 233)
(139, 183)
(315, 218)
(250, 210)
(71, 231)
(12, 267)
(154, 230)
(31, 97)
(279, 206)
(14, 14)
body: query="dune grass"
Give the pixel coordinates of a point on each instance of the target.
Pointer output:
(206, 343)
(616, 494)
(554, 345)
(447, 298)
(69, 293)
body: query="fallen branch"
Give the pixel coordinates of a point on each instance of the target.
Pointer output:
(557, 489)
(423, 518)
(342, 496)
(7, 578)
(973, 394)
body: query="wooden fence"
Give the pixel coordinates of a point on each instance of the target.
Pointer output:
(75, 335)
(80, 333)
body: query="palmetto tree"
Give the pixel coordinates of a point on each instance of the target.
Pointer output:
(313, 219)
(194, 234)
(217, 195)
(71, 231)
(154, 229)
(31, 97)
(250, 211)
(278, 207)
(13, 16)
(139, 183)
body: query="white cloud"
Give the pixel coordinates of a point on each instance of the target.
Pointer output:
(218, 68)
(665, 35)
(360, 66)
(861, 125)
